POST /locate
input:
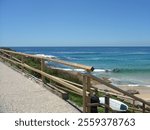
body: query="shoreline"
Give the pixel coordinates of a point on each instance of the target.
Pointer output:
(144, 92)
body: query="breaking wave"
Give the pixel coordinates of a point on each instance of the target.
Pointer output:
(46, 56)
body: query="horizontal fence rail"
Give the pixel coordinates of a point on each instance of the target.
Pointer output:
(85, 89)
(76, 65)
(54, 78)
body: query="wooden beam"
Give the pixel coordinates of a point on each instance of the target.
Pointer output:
(76, 84)
(62, 94)
(12, 56)
(76, 65)
(68, 90)
(22, 61)
(107, 103)
(84, 94)
(143, 107)
(88, 86)
(133, 105)
(42, 69)
(135, 109)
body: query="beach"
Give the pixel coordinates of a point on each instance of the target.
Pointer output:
(144, 92)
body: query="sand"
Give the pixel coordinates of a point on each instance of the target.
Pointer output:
(144, 92)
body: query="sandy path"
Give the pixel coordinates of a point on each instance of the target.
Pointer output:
(19, 94)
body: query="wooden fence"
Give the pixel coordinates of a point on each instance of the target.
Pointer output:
(85, 90)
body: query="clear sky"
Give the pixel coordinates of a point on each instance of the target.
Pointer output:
(74, 22)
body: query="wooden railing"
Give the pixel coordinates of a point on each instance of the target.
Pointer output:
(85, 90)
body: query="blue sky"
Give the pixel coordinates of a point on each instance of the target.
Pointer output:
(74, 22)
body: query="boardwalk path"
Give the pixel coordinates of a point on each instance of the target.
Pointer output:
(19, 94)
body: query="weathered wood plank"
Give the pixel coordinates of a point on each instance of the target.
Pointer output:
(22, 61)
(88, 86)
(84, 94)
(42, 69)
(11, 57)
(62, 94)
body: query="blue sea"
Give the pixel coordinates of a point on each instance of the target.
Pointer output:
(122, 65)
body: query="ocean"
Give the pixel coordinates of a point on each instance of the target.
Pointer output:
(122, 65)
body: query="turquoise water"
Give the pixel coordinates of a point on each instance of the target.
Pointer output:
(125, 65)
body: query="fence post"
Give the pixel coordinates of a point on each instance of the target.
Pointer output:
(42, 69)
(89, 95)
(143, 107)
(3, 56)
(86, 98)
(84, 94)
(107, 103)
(22, 62)
(10, 58)
(133, 105)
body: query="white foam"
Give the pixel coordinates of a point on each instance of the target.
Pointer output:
(133, 85)
(46, 56)
(82, 70)
(70, 58)
(102, 70)
(79, 70)
(137, 85)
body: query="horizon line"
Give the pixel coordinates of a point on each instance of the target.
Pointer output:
(83, 46)
(68, 46)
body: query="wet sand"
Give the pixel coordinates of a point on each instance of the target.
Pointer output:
(144, 92)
